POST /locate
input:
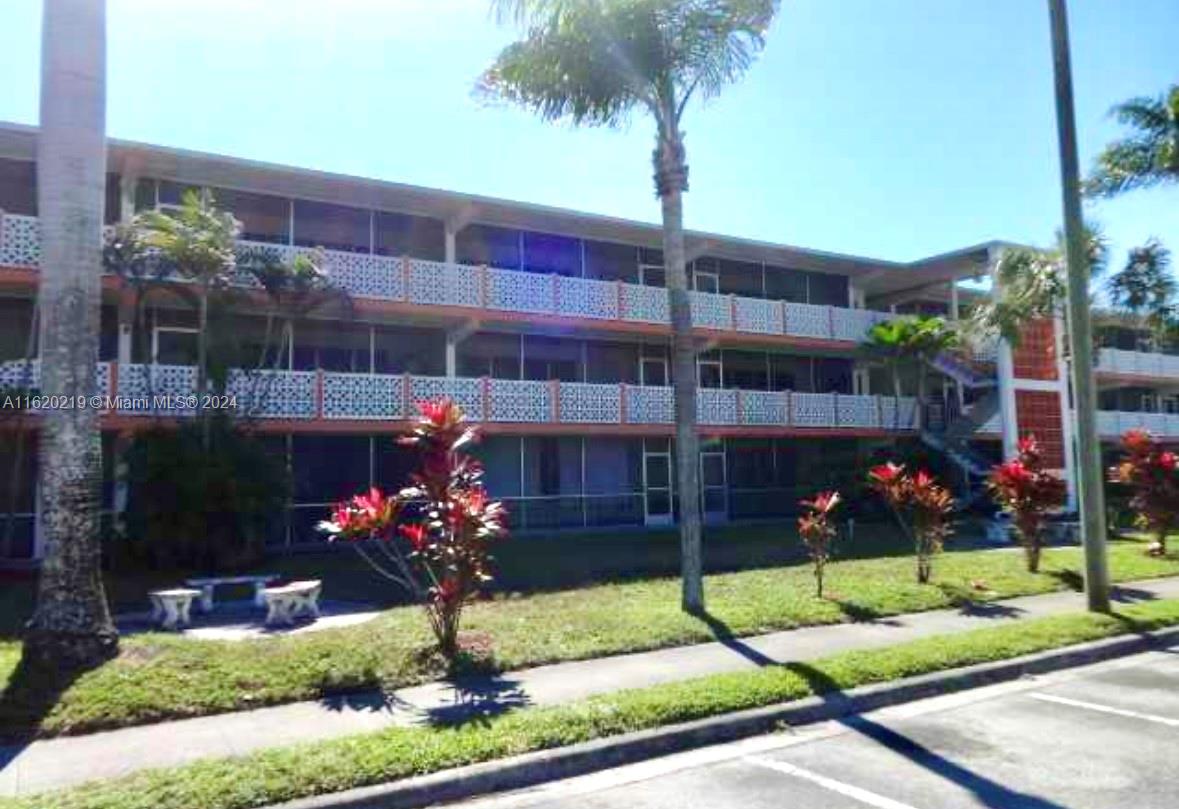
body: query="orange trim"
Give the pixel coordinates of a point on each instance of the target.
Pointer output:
(555, 399)
(405, 278)
(622, 414)
(113, 378)
(406, 395)
(555, 288)
(740, 407)
(319, 393)
(484, 286)
(732, 312)
(620, 294)
(485, 389)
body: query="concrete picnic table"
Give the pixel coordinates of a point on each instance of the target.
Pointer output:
(207, 584)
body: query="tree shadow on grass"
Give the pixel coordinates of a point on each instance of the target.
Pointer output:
(29, 697)
(724, 636)
(989, 793)
(859, 614)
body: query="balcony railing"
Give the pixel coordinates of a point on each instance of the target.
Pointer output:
(1138, 363)
(417, 281)
(165, 390)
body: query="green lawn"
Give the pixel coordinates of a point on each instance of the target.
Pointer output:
(285, 774)
(158, 676)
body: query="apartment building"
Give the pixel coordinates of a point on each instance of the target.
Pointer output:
(550, 327)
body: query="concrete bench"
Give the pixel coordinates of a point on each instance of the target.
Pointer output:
(172, 607)
(285, 604)
(207, 585)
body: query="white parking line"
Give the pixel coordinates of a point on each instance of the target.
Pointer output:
(847, 790)
(1093, 706)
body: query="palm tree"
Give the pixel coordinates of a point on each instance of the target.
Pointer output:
(1145, 287)
(197, 243)
(597, 61)
(71, 626)
(909, 343)
(1150, 156)
(1032, 285)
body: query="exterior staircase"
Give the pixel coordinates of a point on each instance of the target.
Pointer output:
(970, 373)
(953, 441)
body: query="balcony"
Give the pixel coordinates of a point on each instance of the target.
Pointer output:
(1147, 365)
(495, 291)
(326, 397)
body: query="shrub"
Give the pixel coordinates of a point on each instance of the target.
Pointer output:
(1151, 474)
(1027, 492)
(922, 508)
(199, 505)
(433, 537)
(816, 530)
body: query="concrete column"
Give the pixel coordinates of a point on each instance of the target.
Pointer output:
(451, 251)
(127, 183)
(954, 311)
(451, 356)
(1066, 419)
(1005, 365)
(126, 330)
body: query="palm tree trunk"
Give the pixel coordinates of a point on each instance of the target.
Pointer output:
(671, 182)
(71, 625)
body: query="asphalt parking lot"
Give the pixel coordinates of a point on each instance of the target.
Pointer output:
(1100, 737)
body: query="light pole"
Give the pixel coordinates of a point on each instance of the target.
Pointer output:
(1091, 496)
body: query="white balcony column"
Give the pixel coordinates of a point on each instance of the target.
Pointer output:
(451, 250)
(955, 312)
(1005, 371)
(451, 356)
(1066, 414)
(127, 184)
(126, 330)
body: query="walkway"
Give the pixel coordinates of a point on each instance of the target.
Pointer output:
(64, 761)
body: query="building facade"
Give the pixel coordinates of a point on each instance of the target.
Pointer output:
(550, 327)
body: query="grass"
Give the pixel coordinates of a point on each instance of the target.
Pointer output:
(159, 676)
(285, 774)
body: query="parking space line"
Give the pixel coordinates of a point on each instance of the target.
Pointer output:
(847, 790)
(1093, 706)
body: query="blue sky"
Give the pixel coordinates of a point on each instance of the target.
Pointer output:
(890, 128)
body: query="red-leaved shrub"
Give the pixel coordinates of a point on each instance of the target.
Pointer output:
(817, 531)
(1027, 492)
(922, 508)
(1150, 472)
(433, 537)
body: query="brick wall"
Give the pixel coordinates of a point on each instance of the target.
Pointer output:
(1036, 356)
(1038, 414)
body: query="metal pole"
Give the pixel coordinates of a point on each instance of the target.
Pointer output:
(1089, 477)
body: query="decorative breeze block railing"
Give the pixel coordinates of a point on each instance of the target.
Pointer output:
(1138, 363)
(330, 395)
(363, 396)
(419, 281)
(588, 403)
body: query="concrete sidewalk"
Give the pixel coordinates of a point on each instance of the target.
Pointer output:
(61, 762)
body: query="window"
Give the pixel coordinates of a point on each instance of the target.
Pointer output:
(652, 275)
(490, 245)
(264, 218)
(705, 281)
(610, 261)
(746, 370)
(654, 367)
(174, 345)
(791, 373)
(833, 375)
(18, 187)
(546, 253)
(398, 234)
(489, 354)
(611, 362)
(786, 285)
(334, 227)
(709, 370)
(552, 358)
(828, 290)
(409, 351)
(1149, 403)
(332, 347)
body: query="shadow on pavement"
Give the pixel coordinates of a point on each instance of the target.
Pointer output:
(724, 636)
(989, 793)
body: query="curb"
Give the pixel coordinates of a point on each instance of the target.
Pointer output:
(531, 769)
